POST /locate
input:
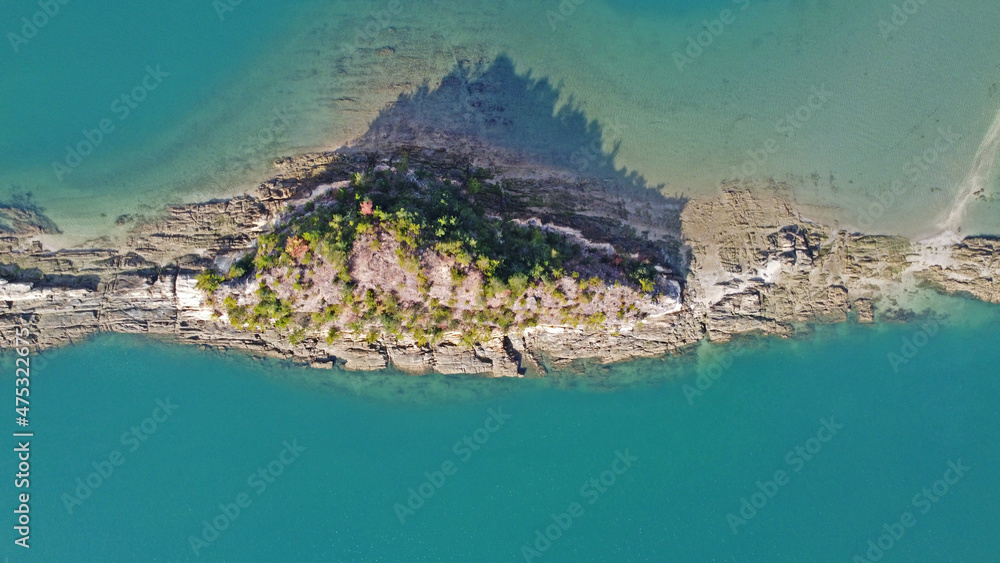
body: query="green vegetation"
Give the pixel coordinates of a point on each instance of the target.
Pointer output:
(209, 281)
(512, 264)
(441, 216)
(596, 320)
(268, 312)
(240, 267)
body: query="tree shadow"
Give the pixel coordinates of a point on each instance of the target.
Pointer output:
(492, 115)
(21, 214)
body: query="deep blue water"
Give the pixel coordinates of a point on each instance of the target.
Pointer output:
(369, 438)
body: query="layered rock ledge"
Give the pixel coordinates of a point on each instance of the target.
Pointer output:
(746, 262)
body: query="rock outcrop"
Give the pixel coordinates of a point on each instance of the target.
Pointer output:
(748, 262)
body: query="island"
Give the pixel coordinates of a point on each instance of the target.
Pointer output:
(471, 261)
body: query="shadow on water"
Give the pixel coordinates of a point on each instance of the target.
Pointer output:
(517, 113)
(490, 109)
(20, 213)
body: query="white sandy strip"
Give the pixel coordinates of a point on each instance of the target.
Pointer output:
(981, 172)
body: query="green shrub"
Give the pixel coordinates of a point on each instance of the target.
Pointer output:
(493, 288)
(297, 336)
(423, 283)
(209, 281)
(242, 266)
(505, 320)
(471, 337)
(518, 284)
(409, 262)
(270, 309)
(421, 337)
(238, 315)
(332, 335)
(440, 314)
(328, 315)
(596, 320)
(435, 214)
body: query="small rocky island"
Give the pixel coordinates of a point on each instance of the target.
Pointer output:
(422, 259)
(433, 261)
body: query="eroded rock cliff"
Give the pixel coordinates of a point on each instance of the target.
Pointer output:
(747, 262)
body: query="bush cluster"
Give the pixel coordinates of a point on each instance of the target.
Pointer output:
(436, 215)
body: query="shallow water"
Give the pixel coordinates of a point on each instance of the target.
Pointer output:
(705, 428)
(736, 108)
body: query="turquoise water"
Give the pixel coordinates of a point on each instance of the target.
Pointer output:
(369, 438)
(270, 79)
(200, 128)
(227, 92)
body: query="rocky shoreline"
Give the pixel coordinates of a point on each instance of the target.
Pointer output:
(748, 263)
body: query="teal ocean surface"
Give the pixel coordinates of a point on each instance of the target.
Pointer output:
(688, 93)
(851, 443)
(843, 438)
